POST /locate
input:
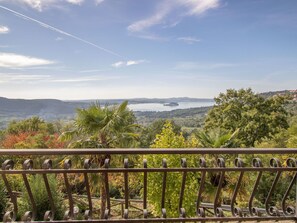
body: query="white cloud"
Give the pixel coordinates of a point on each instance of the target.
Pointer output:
(41, 5)
(10, 60)
(14, 77)
(93, 70)
(97, 2)
(189, 39)
(4, 30)
(198, 7)
(118, 64)
(155, 19)
(190, 65)
(135, 62)
(59, 38)
(128, 63)
(75, 2)
(86, 79)
(151, 37)
(167, 7)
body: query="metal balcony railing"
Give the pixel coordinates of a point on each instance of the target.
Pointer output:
(214, 167)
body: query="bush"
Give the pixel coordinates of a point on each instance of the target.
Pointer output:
(41, 197)
(3, 199)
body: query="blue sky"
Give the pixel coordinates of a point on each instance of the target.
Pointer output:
(92, 49)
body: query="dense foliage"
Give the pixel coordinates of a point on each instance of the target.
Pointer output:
(31, 133)
(169, 139)
(240, 118)
(254, 116)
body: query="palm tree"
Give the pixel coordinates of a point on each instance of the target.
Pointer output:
(216, 139)
(103, 127)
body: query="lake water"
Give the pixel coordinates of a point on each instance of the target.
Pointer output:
(161, 107)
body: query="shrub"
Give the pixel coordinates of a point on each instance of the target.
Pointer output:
(3, 199)
(41, 197)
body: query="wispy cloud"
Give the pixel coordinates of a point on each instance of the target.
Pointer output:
(189, 39)
(59, 38)
(198, 7)
(151, 37)
(41, 5)
(93, 70)
(98, 2)
(190, 65)
(4, 30)
(157, 18)
(75, 2)
(167, 7)
(47, 26)
(11, 60)
(86, 79)
(15, 77)
(128, 63)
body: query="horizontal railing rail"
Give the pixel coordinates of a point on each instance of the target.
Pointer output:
(234, 184)
(142, 151)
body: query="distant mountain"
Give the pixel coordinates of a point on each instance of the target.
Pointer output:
(147, 100)
(45, 108)
(292, 93)
(52, 109)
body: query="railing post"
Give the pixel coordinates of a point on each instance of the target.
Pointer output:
(296, 201)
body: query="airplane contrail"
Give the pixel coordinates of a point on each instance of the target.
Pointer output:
(47, 26)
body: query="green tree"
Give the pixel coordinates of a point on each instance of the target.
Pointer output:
(215, 139)
(254, 116)
(148, 134)
(103, 127)
(30, 133)
(169, 139)
(33, 124)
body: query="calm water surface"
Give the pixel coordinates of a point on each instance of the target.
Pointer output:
(161, 107)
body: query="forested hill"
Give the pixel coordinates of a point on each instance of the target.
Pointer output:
(284, 92)
(51, 109)
(46, 108)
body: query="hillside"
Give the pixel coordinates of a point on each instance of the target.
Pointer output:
(45, 108)
(52, 109)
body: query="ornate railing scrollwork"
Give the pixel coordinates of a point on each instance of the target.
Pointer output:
(226, 179)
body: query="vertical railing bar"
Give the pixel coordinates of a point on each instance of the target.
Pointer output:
(126, 165)
(145, 189)
(200, 212)
(273, 163)
(257, 163)
(8, 165)
(89, 212)
(28, 165)
(287, 193)
(164, 184)
(70, 213)
(296, 200)
(50, 196)
(47, 164)
(163, 209)
(221, 163)
(182, 189)
(290, 162)
(238, 163)
(106, 165)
